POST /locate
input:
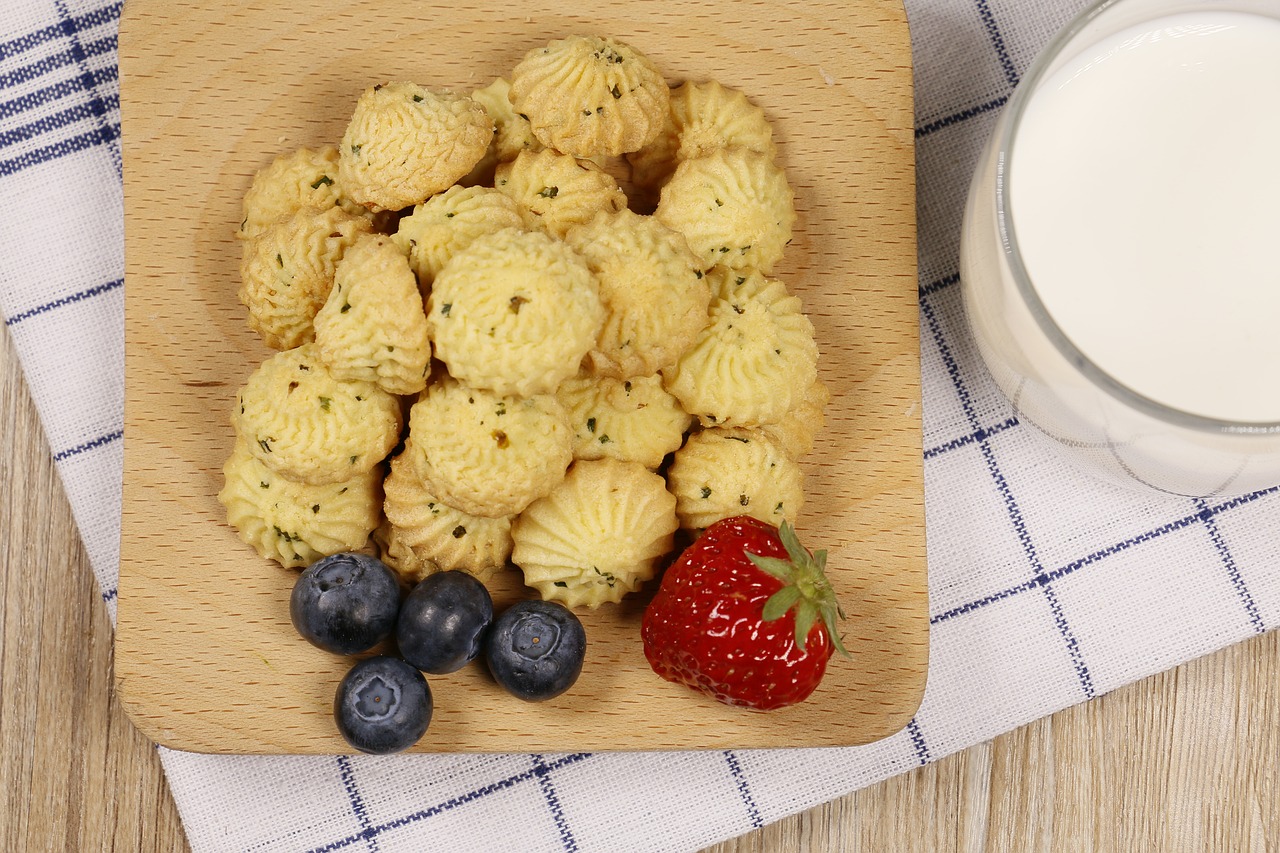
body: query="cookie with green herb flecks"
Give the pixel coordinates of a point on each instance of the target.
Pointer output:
(373, 327)
(405, 143)
(720, 473)
(296, 523)
(484, 453)
(305, 424)
(597, 536)
(424, 535)
(590, 96)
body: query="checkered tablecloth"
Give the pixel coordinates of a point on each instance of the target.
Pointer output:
(1046, 589)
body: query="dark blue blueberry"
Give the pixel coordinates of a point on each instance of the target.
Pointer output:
(535, 649)
(383, 705)
(346, 603)
(442, 622)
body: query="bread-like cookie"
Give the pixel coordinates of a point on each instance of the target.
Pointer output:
(734, 206)
(589, 96)
(296, 524)
(512, 132)
(598, 535)
(307, 177)
(287, 268)
(796, 431)
(755, 359)
(484, 453)
(424, 535)
(405, 142)
(448, 222)
(305, 424)
(653, 289)
(704, 117)
(633, 420)
(373, 328)
(556, 192)
(514, 312)
(720, 473)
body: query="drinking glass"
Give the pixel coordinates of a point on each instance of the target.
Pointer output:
(1098, 422)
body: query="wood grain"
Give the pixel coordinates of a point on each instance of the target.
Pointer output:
(210, 94)
(1183, 761)
(76, 774)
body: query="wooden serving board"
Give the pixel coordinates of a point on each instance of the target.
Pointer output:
(206, 659)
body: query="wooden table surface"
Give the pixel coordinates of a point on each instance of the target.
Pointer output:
(1184, 761)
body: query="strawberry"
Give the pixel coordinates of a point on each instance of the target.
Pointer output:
(745, 615)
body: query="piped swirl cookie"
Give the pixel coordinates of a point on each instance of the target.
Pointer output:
(447, 223)
(423, 535)
(653, 289)
(484, 453)
(514, 312)
(287, 270)
(373, 328)
(590, 96)
(405, 142)
(796, 431)
(755, 359)
(556, 192)
(597, 536)
(512, 132)
(294, 523)
(633, 420)
(305, 424)
(721, 473)
(704, 117)
(734, 206)
(307, 177)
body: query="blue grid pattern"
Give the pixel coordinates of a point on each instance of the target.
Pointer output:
(84, 108)
(540, 772)
(54, 104)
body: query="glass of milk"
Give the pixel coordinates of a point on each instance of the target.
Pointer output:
(1120, 258)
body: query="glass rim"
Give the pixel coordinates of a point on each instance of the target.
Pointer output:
(1126, 395)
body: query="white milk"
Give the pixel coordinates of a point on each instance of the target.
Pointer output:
(1144, 190)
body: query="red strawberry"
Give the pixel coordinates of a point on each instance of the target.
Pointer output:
(745, 615)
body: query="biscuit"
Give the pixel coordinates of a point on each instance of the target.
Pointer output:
(633, 420)
(555, 191)
(798, 427)
(590, 97)
(487, 454)
(448, 222)
(597, 536)
(307, 177)
(296, 524)
(514, 312)
(305, 424)
(734, 206)
(287, 268)
(755, 359)
(512, 132)
(653, 290)
(405, 143)
(373, 328)
(704, 117)
(720, 473)
(423, 535)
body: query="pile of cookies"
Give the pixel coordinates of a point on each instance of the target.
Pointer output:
(578, 380)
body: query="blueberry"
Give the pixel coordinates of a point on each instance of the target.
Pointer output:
(346, 603)
(383, 705)
(535, 649)
(442, 622)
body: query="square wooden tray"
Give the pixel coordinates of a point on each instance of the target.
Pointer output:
(206, 659)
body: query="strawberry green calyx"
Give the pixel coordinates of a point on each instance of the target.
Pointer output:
(805, 588)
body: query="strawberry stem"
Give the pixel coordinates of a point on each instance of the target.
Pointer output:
(805, 588)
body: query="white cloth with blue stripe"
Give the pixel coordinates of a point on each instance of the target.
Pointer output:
(1046, 589)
